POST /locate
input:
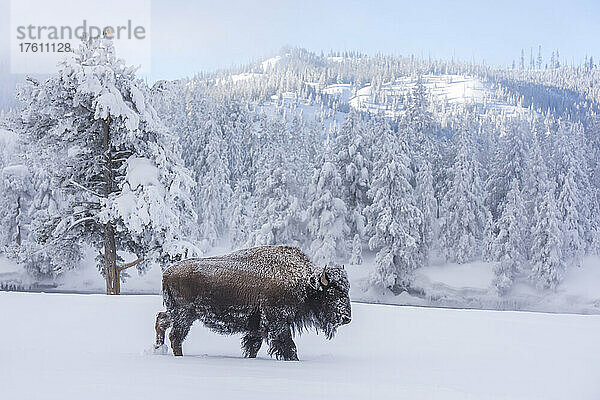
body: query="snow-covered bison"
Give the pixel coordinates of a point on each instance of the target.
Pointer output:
(266, 292)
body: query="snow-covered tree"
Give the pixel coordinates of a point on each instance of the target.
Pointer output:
(507, 164)
(213, 193)
(571, 222)
(593, 154)
(121, 187)
(15, 191)
(16, 194)
(463, 212)
(427, 203)
(327, 215)
(394, 220)
(241, 214)
(417, 126)
(356, 250)
(533, 191)
(205, 154)
(546, 260)
(351, 158)
(574, 193)
(38, 257)
(280, 215)
(417, 121)
(507, 247)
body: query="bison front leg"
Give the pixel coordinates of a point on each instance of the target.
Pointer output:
(163, 322)
(282, 346)
(251, 343)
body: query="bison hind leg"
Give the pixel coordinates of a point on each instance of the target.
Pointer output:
(251, 343)
(163, 322)
(182, 322)
(282, 346)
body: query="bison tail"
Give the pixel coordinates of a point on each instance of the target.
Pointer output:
(168, 300)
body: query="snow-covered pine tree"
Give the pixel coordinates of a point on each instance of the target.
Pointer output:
(121, 188)
(16, 195)
(15, 190)
(507, 246)
(570, 221)
(427, 203)
(40, 258)
(241, 214)
(463, 212)
(417, 120)
(351, 159)
(171, 100)
(327, 223)
(394, 220)
(546, 260)
(417, 125)
(534, 185)
(593, 154)
(507, 163)
(574, 192)
(206, 155)
(280, 213)
(356, 251)
(213, 191)
(237, 132)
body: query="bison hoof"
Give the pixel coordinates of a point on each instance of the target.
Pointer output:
(177, 350)
(160, 349)
(287, 357)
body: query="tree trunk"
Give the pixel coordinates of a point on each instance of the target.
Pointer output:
(111, 272)
(113, 283)
(18, 238)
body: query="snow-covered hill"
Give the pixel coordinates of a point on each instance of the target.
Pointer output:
(451, 88)
(298, 79)
(388, 98)
(93, 347)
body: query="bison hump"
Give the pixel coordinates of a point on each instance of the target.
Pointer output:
(256, 274)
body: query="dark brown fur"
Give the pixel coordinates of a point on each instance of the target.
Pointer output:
(265, 292)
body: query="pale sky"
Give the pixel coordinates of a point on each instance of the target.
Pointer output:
(193, 36)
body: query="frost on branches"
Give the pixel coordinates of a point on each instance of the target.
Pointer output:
(395, 221)
(507, 246)
(351, 158)
(279, 217)
(463, 213)
(327, 216)
(119, 186)
(547, 265)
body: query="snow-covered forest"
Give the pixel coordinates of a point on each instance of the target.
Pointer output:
(385, 164)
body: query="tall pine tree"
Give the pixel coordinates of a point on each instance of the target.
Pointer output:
(394, 219)
(463, 212)
(121, 186)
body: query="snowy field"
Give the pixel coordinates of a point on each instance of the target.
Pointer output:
(95, 347)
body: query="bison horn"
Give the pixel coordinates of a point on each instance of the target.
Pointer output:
(323, 278)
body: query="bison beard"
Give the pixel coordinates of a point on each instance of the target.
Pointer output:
(268, 293)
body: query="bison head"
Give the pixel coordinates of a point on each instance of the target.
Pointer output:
(332, 302)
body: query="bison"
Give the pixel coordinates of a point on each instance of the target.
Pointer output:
(266, 293)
